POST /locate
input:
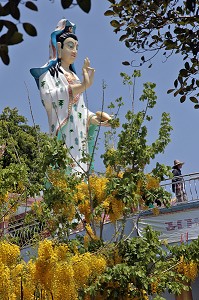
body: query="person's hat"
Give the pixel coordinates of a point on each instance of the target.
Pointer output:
(177, 162)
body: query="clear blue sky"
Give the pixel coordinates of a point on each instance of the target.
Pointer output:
(98, 41)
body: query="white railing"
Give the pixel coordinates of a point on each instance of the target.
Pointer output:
(190, 186)
(23, 234)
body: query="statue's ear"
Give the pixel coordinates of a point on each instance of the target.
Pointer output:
(59, 49)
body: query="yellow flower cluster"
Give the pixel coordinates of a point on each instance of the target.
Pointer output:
(152, 182)
(89, 236)
(85, 209)
(156, 211)
(94, 190)
(154, 287)
(149, 182)
(9, 253)
(59, 274)
(82, 200)
(56, 272)
(90, 232)
(62, 252)
(57, 178)
(86, 240)
(91, 199)
(37, 208)
(106, 205)
(10, 270)
(89, 266)
(65, 209)
(64, 282)
(98, 188)
(109, 171)
(29, 280)
(45, 265)
(4, 198)
(20, 187)
(116, 208)
(61, 270)
(144, 295)
(82, 193)
(189, 269)
(5, 282)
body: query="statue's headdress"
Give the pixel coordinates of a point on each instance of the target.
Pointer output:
(63, 26)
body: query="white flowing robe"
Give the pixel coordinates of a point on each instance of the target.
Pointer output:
(68, 116)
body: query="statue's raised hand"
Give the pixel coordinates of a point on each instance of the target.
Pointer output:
(88, 73)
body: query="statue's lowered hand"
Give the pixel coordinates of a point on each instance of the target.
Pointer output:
(101, 118)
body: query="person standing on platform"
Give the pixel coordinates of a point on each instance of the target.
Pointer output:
(178, 182)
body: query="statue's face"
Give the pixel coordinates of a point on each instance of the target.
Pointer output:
(69, 51)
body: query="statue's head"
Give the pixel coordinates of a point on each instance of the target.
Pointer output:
(62, 31)
(67, 46)
(68, 32)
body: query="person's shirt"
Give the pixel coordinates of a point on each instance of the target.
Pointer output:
(176, 178)
(176, 173)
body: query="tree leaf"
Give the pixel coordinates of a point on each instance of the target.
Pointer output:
(194, 99)
(117, 9)
(16, 38)
(3, 39)
(176, 93)
(196, 106)
(1, 25)
(170, 91)
(176, 83)
(115, 23)
(85, 5)
(5, 10)
(4, 55)
(180, 80)
(182, 91)
(14, 10)
(123, 37)
(182, 99)
(169, 44)
(109, 13)
(10, 25)
(183, 73)
(12, 28)
(31, 5)
(66, 3)
(187, 66)
(193, 81)
(30, 29)
(181, 36)
(126, 63)
(178, 30)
